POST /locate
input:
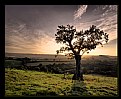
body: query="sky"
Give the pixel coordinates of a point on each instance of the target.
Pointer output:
(32, 28)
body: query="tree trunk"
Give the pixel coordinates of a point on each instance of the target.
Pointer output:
(79, 74)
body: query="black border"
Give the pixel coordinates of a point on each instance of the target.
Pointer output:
(58, 2)
(2, 51)
(41, 2)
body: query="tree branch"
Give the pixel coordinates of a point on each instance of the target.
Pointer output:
(84, 52)
(72, 48)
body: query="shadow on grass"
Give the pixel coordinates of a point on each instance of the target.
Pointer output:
(79, 89)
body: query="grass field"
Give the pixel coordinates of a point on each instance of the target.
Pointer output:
(33, 83)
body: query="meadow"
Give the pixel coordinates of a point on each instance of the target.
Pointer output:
(44, 76)
(33, 83)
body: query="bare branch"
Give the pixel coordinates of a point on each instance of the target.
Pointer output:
(84, 52)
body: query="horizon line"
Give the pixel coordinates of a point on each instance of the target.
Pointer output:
(58, 54)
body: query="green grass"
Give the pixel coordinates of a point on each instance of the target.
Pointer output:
(12, 63)
(33, 83)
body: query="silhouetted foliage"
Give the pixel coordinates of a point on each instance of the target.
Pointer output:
(77, 43)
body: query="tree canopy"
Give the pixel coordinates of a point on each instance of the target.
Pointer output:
(79, 42)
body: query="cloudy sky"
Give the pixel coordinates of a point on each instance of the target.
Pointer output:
(32, 28)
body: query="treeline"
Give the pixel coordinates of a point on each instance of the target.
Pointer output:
(108, 68)
(48, 68)
(21, 63)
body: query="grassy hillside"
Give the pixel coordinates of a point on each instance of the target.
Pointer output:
(33, 83)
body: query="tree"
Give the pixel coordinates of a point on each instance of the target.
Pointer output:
(77, 43)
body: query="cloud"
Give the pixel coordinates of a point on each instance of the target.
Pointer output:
(32, 31)
(81, 10)
(28, 28)
(112, 43)
(21, 39)
(103, 16)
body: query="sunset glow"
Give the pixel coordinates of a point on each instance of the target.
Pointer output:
(32, 28)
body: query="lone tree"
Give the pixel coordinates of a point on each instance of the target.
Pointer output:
(77, 43)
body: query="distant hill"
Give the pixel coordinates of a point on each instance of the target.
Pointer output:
(52, 56)
(22, 55)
